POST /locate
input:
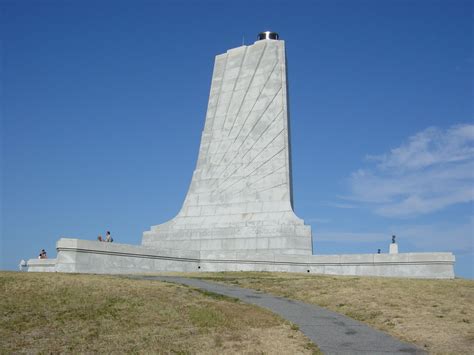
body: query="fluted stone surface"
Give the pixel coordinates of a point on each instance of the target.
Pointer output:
(240, 198)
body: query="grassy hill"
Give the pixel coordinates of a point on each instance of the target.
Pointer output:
(92, 313)
(89, 313)
(437, 315)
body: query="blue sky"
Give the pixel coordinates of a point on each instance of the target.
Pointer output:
(103, 104)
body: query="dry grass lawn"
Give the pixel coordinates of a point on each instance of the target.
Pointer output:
(57, 313)
(437, 315)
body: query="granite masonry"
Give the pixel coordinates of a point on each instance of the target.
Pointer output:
(240, 198)
(238, 212)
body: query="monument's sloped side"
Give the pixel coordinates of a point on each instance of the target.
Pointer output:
(240, 198)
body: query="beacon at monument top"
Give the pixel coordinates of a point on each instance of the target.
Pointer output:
(268, 35)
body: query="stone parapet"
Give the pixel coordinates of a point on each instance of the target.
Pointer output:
(82, 256)
(41, 265)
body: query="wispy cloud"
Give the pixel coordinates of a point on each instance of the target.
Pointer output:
(432, 170)
(430, 147)
(351, 237)
(437, 236)
(340, 205)
(317, 220)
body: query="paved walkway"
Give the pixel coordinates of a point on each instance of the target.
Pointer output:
(332, 332)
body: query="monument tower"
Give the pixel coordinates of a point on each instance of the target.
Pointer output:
(240, 197)
(238, 212)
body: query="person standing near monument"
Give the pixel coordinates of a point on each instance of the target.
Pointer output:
(108, 237)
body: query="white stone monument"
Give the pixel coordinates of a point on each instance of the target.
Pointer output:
(240, 198)
(238, 213)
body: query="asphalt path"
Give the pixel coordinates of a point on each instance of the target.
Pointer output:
(334, 333)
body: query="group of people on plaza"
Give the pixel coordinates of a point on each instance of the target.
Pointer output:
(42, 255)
(108, 238)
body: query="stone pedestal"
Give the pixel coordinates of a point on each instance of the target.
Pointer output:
(393, 248)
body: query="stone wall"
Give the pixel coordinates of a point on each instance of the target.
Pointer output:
(83, 256)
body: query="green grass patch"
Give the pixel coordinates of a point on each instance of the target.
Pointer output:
(68, 313)
(434, 314)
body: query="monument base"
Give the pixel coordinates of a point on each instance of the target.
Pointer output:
(40, 265)
(288, 235)
(84, 256)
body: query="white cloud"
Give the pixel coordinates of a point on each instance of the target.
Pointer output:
(433, 170)
(430, 147)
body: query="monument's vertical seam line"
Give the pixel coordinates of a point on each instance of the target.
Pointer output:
(263, 132)
(257, 122)
(256, 100)
(232, 96)
(243, 124)
(220, 92)
(257, 66)
(287, 123)
(213, 168)
(217, 105)
(258, 154)
(206, 128)
(248, 134)
(259, 179)
(246, 176)
(263, 150)
(266, 161)
(240, 131)
(269, 188)
(233, 88)
(264, 176)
